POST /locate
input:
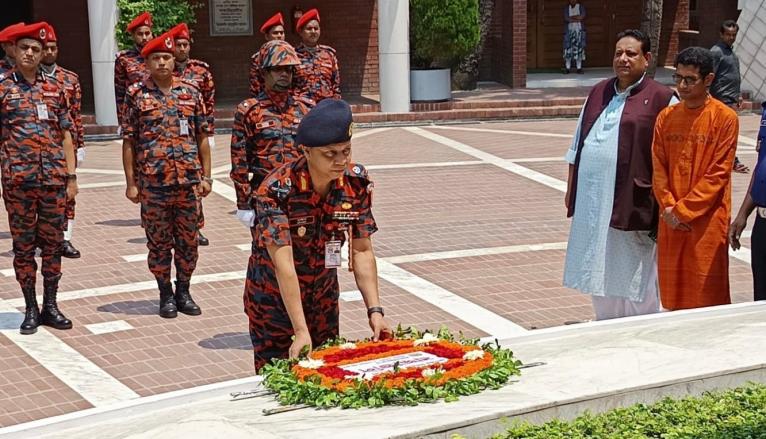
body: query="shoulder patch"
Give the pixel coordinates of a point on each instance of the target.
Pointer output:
(280, 185)
(358, 171)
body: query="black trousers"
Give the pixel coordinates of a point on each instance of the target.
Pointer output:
(758, 258)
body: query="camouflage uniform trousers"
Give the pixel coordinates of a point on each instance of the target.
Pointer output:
(170, 217)
(270, 328)
(69, 211)
(36, 219)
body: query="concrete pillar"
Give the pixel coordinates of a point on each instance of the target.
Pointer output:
(102, 18)
(394, 55)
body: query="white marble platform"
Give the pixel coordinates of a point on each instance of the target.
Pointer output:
(595, 366)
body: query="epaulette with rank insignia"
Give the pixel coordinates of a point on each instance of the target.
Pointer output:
(327, 48)
(190, 84)
(306, 100)
(199, 62)
(135, 87)
(125, 52)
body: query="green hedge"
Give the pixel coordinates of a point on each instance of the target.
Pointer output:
(733, 414)
(165, 14)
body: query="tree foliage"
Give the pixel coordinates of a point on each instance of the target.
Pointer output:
(165, 15)
(443, 31)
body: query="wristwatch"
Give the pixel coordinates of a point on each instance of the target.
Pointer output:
(208, 179)
(71, 177)
(374, 309)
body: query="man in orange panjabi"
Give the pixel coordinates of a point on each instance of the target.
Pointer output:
(693, 154)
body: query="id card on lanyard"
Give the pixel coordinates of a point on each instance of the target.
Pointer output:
(332, 257)
(184, 125)
(42, 112)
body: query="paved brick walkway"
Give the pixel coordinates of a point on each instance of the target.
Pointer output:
(472, 236)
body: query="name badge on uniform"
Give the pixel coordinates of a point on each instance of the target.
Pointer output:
(184, 124)
(332, 254)
(42, 112)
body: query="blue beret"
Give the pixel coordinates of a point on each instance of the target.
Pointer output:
(327, 123)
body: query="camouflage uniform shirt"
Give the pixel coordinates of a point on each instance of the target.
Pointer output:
(71, 83)
(198, 73)
(263, 138)
(318, 74)
(129, 68)
(32, 119)
(164, 130)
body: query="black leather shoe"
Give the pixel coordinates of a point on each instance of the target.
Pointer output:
(580, 71)
(32, 313)
(201, 240)
(51, 315)
(69, 251)
(184, 300)
(168, 308)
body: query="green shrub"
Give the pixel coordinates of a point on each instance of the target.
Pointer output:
(732, 414)
(442, 31)
(165, 15)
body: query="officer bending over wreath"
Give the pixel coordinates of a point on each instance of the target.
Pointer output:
(305, 210)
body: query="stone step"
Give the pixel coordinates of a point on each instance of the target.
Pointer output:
(480, 113)
(427, 112)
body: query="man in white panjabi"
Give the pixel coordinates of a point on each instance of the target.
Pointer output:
(611, 253)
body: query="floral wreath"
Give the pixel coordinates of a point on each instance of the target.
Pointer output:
(411, 368)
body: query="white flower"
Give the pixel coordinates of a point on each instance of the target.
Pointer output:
(311, 363)
(473, 355)
(348, 345)
(428, 338)
(428, 373)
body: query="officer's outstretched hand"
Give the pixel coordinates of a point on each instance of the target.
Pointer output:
(302, 339)
(380, 328)
(131, 192)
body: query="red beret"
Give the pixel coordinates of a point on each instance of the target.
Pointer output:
(163, 43)
(5, 33)
(180, 32)
(52, 35)
(276, 19)
(144, 19)
(35, 31)
(309, 15)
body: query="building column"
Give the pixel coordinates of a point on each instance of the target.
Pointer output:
(519, 38)
(102, 18)
(394, 55)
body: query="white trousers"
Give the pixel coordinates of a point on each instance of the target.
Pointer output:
(615, 307)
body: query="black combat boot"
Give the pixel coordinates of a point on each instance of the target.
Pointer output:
(168, 308)
(201, 240)
(70, 251)
(32, 313)
(50, 315)
(184, 299)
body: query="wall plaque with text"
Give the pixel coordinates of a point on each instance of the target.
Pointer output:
(231, 17)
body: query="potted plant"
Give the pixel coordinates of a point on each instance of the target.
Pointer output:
(441, 33)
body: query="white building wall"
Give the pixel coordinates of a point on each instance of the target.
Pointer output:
(751, 47)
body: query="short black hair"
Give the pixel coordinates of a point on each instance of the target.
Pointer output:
(728, 24)
(646, 43)
(696, 56)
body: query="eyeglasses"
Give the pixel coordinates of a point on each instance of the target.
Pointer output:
(688, 80)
